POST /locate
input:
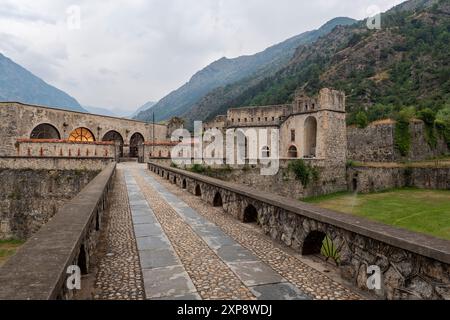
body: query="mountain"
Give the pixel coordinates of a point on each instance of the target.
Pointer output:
(100, 111)
(20, 85)
(145, 107)
(406, 63)
(227, 71)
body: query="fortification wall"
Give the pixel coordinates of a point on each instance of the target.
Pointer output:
(30, 197)
(376, 143)
(367, 179)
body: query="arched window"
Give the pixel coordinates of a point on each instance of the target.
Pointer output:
(81, 135)
(310, 137)
(45, 131)
(115, 137)
(136, 140)
(265, 152)
(292, 152)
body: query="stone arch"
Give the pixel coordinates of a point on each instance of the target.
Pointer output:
(198, 191)
(292, 152)
(136, 140)
(217, 202)
(45, 131)
(310, 137)
(115, 137)
(174, 179)
(250, 214)
(313, 243)
(184, 184)
(82, 134)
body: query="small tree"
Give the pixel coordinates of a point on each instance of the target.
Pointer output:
(361, 120)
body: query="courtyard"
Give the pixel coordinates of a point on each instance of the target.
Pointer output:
(425, 211)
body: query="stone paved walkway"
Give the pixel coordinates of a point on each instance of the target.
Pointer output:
(119, 274)
(187, 249)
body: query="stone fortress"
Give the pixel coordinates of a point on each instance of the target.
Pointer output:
(54, 163)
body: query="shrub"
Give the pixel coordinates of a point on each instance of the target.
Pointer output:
(429, 117)
(304, 172)
(402, 134)
(361, 120)
(197, 168)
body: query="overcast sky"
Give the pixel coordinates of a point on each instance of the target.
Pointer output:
(128, 52)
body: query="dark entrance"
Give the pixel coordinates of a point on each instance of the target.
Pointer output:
(250, 214)
(136, 140)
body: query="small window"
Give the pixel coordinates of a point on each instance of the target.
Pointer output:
(259, 119)
(245, 119)
(232, 120)
(273, 118)
(265, 119)
(292, 135)
(239, 120)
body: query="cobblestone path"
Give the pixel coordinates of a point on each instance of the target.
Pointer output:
(119, 274)
(168, 244)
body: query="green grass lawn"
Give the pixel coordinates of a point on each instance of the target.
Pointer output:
(8, 248)
(426, 211)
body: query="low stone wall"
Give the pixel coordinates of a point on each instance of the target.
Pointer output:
(413, 266)
(38, 270)
(66, 149)
(58, 163)
(30, 198)
(331, 177)
(366, 179)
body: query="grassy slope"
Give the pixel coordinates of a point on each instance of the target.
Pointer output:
(8, 248)
(425, 211)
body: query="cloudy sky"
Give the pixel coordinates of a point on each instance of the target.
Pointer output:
(127, 52)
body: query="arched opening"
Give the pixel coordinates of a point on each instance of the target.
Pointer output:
(310, 137)
(313, 243)
(115, 137)
(184, 184)
(265, 152)
(45, 131)
(136, 140)
(355, 184)
(250, 214)
(81, 135)
(174, 180)
(217, 200)
(168, 176)
(292, 152)
(198, 191)
(82, 260)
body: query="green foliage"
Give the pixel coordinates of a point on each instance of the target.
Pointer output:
(361, 119)
(443, 123)
(197, 168)
(304, 172)
(173, 165)
(428, 116)
(402, 134)
(330, 251)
